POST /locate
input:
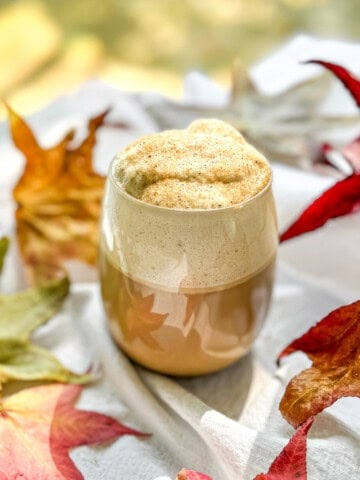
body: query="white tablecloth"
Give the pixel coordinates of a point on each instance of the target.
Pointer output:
(225, 424)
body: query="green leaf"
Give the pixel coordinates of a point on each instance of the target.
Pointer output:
(20, 314)
(25, 361)
(4, 244)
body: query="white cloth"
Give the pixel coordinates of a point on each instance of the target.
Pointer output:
(225, 424)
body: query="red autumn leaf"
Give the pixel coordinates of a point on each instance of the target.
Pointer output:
(39, 425)
(186, 474)
(343, 197)
(333, 345)
(340, 199)
(291, 462)
(349, 81)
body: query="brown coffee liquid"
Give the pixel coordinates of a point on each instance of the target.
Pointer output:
(186, 333)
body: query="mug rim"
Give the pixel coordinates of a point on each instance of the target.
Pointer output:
(177, 210)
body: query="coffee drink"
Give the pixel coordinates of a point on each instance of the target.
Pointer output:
(188, 247)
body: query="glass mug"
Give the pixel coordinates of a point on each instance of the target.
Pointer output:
(186, 291)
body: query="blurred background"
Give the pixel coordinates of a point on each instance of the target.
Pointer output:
(49, 47)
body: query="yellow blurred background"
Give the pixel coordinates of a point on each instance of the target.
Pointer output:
(49, 47)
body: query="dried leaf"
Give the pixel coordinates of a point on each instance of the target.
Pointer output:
(186, 474)
(21, 314)
(340, 199)
(291, 462)
(333, 345)
(4, 245)
(40, 425)
(28, 362)
(349, 81)
(58, 198)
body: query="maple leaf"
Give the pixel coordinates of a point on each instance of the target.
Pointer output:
(349, 81)
(343, 197)
(290, 464)
(333, 345)
(4, 245)
(20, 314)
(340, 199)
(351, 152)
(186, 474)
(140, 320)
(58, 200)
(39, 425)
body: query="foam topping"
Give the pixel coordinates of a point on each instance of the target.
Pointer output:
(208, 165)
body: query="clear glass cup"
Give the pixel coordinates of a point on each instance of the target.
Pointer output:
(186, 291)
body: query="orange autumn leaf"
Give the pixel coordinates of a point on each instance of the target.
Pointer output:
(333, 345)
(39, 425)
(58, 200)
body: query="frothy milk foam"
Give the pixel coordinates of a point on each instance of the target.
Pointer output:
(195, 242)
(188, 248)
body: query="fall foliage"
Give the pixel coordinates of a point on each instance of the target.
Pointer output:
(58, 200)
(334, 348)
(290, 464)
(41, 425)
(21, 314)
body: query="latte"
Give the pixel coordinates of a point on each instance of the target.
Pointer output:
(188, 246)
